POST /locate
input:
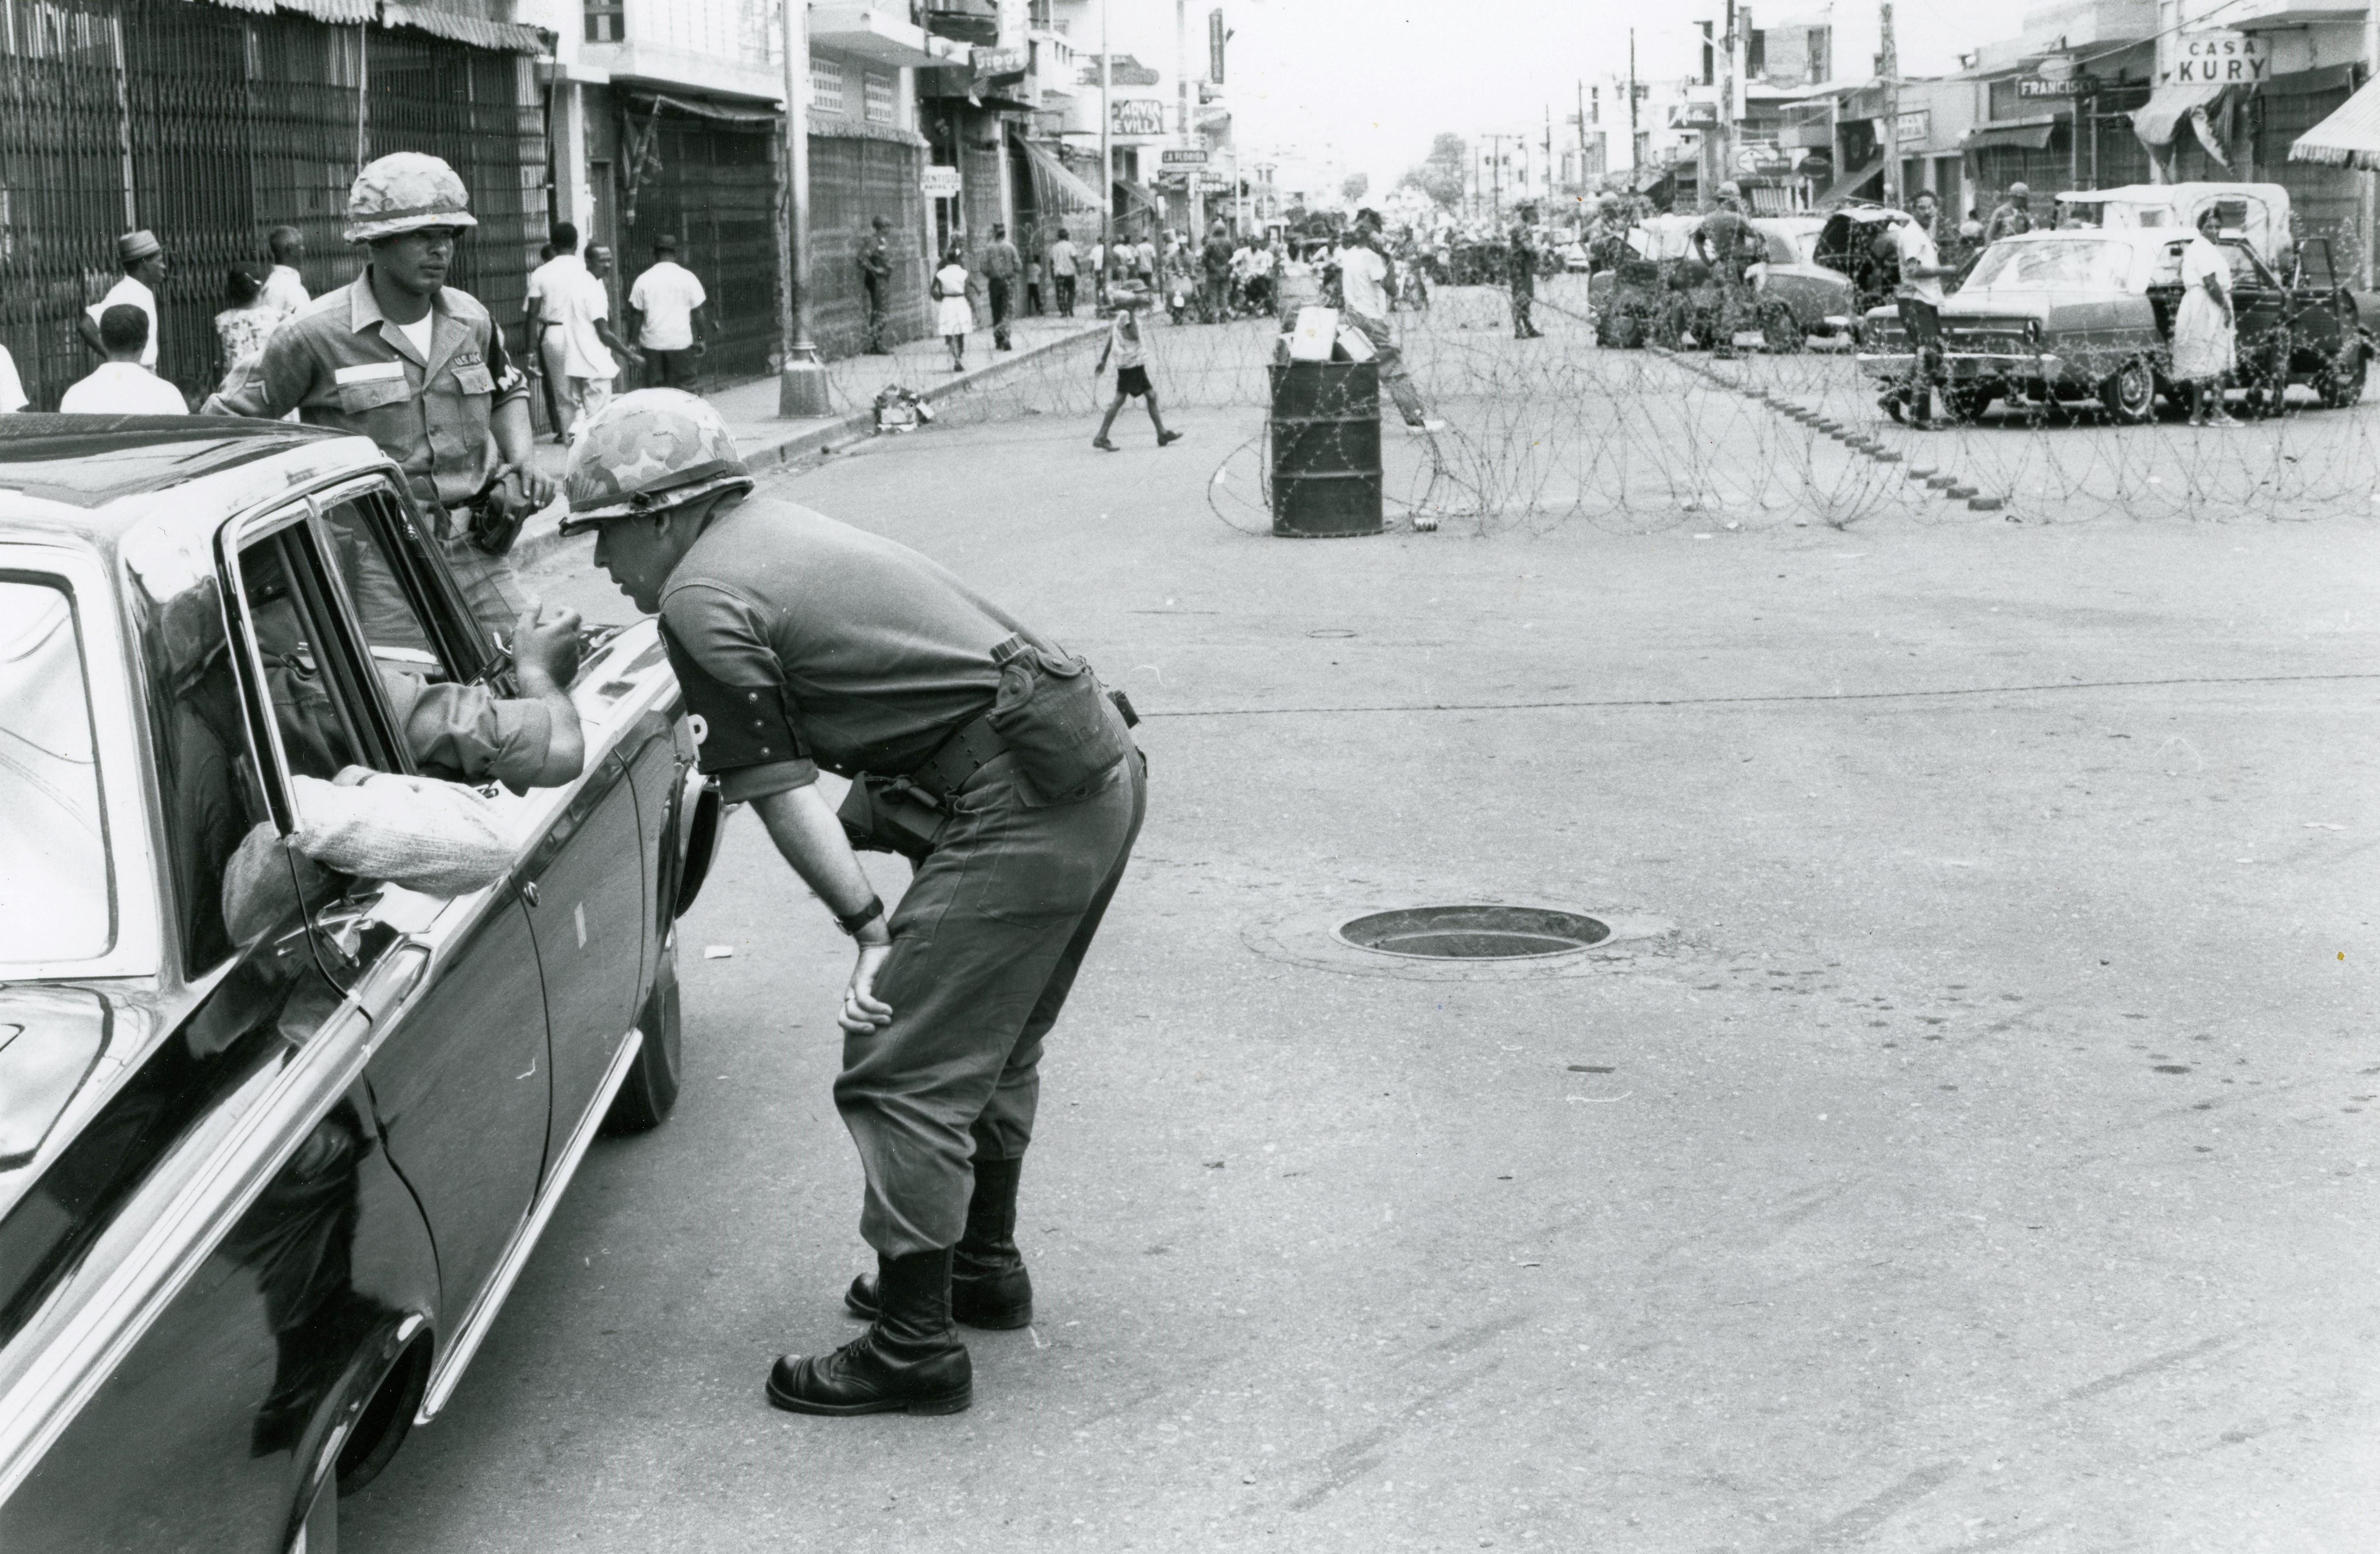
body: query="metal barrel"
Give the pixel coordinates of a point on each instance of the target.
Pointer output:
(1325, 450)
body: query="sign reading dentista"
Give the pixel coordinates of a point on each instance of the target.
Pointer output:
(940, 183)
(2221, 57)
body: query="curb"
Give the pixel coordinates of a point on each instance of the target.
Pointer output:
(839, 433)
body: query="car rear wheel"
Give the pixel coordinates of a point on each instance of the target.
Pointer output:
(651, 1090)
(1781, 332)
(1967, 405)
(2129, 393)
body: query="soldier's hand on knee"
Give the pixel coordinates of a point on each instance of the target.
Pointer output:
(863, 1012)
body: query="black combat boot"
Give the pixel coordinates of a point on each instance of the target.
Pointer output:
(989, 1285)
(908, 1361)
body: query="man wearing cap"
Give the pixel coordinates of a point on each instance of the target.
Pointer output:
(1520, 273)
(1727, 243)
(876, 274)
(416, 365)
(2013, 217)
(1002, 268)
(666, 322)
(144, 258)
(989, 756)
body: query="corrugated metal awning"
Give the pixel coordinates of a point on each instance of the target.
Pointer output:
(700, 108)
(2156, 120)
(1079, 194)
(2348, 138)
(2031, 134)
(507, 36)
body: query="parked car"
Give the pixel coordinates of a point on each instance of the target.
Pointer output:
(1795, 296)
(2070, 318)
(277, 1142)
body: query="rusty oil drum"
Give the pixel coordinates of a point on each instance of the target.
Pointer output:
(1325, 450)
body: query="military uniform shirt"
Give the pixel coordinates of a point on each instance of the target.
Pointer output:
(804, 643)
(342, 364)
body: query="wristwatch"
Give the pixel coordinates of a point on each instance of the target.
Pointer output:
(863, 917)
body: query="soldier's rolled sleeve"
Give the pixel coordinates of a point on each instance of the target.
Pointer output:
(279, 385)
(734, 687)
(470, 730)
(511, 383)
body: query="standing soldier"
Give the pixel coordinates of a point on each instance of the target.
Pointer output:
(2013, 217)
(417, 366)
(1727, 242)
(1521, 273)
(979, 749)
(876, 274)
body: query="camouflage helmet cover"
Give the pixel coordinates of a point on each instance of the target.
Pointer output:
(647, 450)
(405, 192)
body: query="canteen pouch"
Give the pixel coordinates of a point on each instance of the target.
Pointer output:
(886, 814)
(1053, 716)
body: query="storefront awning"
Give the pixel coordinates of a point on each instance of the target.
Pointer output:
(512, 36)
(2155, 121)
(1850, 184)
(2349, 137)
(1076, 194)
(696, 107)
(2031, 134)
(1146, 200)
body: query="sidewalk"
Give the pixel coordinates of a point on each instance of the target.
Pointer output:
(765, 439)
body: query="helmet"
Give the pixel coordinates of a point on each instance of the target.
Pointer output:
(647, 451)
(2017, 191)
(1731, 187)
(403, 192)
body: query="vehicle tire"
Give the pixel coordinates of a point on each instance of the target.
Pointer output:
(386, 1421)
(1967, 405)
(2343, 386)
(651, 1090)
(2128, 395)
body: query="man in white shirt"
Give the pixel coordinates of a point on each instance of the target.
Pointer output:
(284, 289)
(122, 385)
(1363, 289)
(1919, 302)
(581, 308)
(546, 284)
(666, 322)
(144, 258)
(12, 387)
(1062, 271)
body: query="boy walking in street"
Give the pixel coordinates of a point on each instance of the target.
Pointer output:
(1132, 369)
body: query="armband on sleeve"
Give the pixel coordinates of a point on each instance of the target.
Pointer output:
(744, 734)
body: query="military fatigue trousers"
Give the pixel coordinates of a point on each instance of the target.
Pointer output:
(986, 944)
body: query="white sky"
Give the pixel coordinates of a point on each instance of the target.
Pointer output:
(1379, 78)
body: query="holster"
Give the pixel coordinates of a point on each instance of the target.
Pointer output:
(892, 814)
(495, 521)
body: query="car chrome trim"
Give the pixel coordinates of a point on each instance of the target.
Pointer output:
(115, 710)
(165, 1235)
(447, 1372)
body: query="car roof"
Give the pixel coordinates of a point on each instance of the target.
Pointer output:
(2132, 237)
(96, 477)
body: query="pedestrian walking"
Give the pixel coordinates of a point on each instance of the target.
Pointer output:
(284, 289)
(1520, 273)
(1364, 293)
(142, 259)
(1062, 274)
(549, 352)
(876, 275)
(1132, 370)
(591, 349)
(2013, 217)
(666, 319)
(2205, 343)
(978, 749)
(121, 386)
(952, 317)
(242, 327)
(1910, 248)
(1002, 270)
(419, 368)
(1215, 278)
(1144, 260)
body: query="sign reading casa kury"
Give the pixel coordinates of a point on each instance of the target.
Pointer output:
(2221, 57)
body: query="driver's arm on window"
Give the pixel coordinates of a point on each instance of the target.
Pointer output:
(522, 742)
(441, 839)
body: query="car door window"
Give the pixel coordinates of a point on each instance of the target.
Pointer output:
(404, 605)
(53, 853)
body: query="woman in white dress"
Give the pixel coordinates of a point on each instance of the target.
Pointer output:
(953, 317)
(2204, 346)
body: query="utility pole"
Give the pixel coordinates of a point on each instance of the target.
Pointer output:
(1889, 61)
(1726, 135)
(1635, 142)
(1107, 159)
(801, 378)
(1550, 156)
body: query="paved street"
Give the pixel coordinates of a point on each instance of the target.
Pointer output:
(1968, 1142)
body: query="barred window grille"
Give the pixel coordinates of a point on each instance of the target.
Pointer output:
(607, 21)
(826, 86)
(880, 97)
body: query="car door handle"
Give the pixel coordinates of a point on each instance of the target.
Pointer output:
(528, 891)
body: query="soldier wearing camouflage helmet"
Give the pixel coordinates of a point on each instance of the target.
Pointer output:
(417, 366)
(983, 751)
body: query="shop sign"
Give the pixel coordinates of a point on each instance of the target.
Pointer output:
(991, 63)
(1136, 116)
(2072, 86)
(1694, 115)
(1214, 183)
(1175, 156)
(1914, 125)
(940, 183)
(2221, 57)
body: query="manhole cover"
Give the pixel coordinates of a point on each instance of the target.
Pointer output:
(1473, 933)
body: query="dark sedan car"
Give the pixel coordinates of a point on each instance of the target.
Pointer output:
(276, 1141)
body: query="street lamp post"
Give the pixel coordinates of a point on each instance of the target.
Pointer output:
(801, 381)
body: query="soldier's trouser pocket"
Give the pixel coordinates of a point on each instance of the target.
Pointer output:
(1053, 716)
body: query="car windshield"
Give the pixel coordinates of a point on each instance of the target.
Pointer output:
(56, 898)
(2079, 264)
